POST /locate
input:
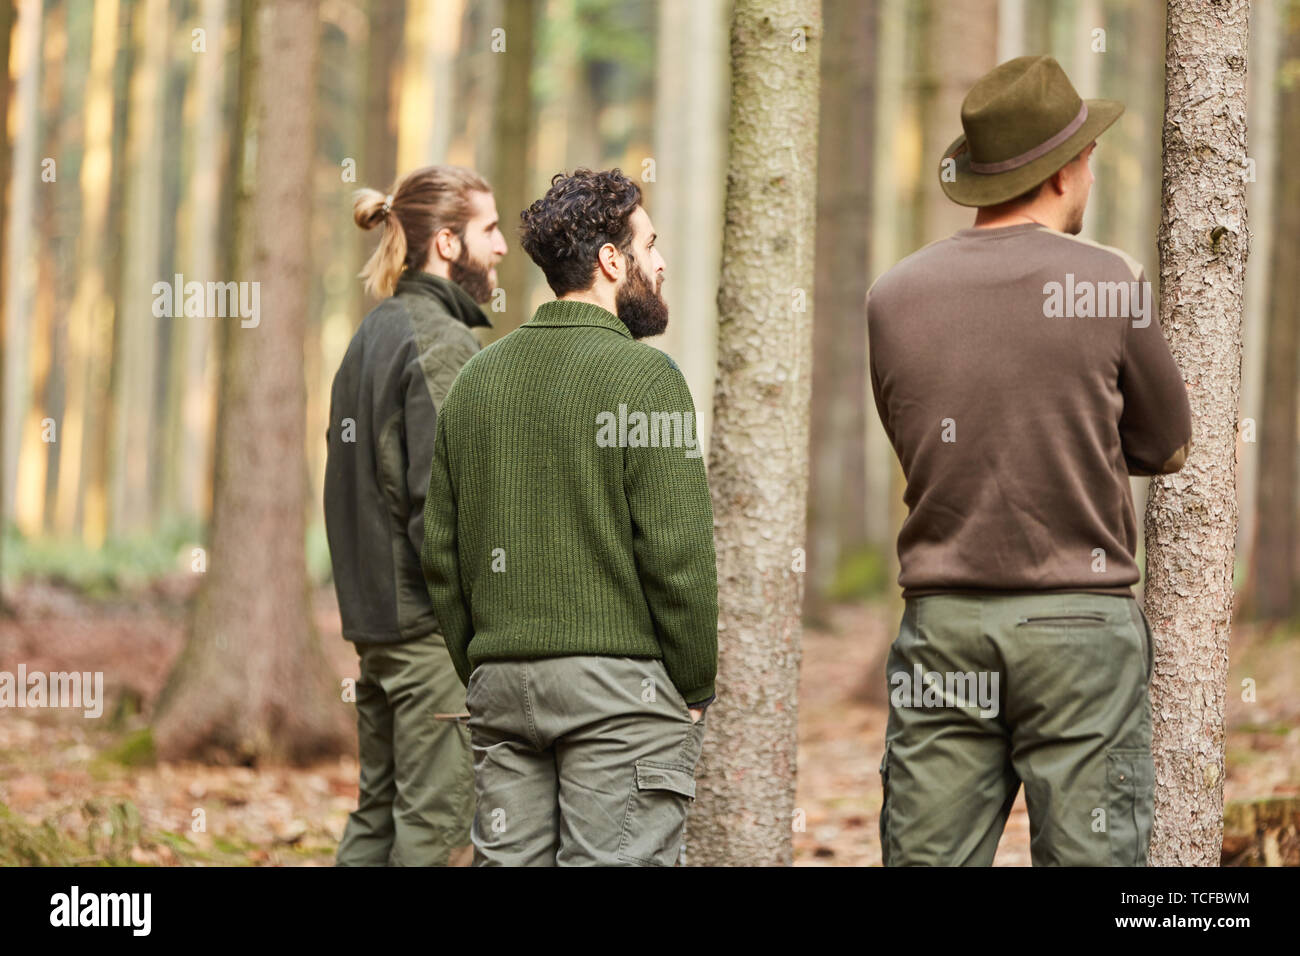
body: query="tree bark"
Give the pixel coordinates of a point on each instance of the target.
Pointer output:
(1191, 516)
(252, 683)
(758, 459)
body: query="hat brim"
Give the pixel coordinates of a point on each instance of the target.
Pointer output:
(968, 188)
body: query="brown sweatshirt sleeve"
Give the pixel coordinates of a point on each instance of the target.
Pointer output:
(1156, 425)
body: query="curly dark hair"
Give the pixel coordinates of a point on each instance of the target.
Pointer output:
(563, 230)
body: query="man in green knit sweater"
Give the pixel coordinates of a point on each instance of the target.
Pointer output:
(568, 551)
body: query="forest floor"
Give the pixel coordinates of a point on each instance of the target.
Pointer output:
(75, 790)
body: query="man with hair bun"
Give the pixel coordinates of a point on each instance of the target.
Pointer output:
(434, 265)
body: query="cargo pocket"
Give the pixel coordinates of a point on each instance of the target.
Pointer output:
(655, 820)
(1130, 777)
(884, 807)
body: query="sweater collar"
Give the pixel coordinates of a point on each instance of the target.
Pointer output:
(453, 298)
(566, 312)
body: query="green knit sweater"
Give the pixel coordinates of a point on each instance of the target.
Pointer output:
(568, 510)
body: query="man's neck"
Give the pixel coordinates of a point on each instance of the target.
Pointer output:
(596, 295)
(992, 218)
(438, 266)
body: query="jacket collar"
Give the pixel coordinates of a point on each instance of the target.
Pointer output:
(453, 298)
(566, 312)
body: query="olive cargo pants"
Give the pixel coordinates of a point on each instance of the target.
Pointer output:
(417, 787)
(987, 692)
(580, 761)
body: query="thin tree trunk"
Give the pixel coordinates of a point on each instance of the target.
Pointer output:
(1268, 35)
(1191, 516)
(131, 464)
(960, 45)
(252, 683)
(690, 131)
(1273, 558)
(428, 71)
(758, 457)
(837, 450)
(7, 19)
(92, 306)
(19, 222)
(34, 451)
(192, 382)
(513, 151)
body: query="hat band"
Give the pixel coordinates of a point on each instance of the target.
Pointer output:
(1042, 149)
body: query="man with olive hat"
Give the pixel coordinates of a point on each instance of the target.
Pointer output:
(1022, 377)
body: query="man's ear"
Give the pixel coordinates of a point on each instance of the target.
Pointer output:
(447, 244)
(1057, 181)
(608, 260)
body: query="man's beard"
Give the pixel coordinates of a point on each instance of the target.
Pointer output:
(1075, 225)
(639, 305)
(472, 276)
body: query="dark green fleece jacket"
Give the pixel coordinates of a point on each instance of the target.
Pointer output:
(383, 412)
(568, 510)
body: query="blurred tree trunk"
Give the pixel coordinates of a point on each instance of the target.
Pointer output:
(1191, 516)
(7, 20)
(512, 152)
(758, 457)
(90, 319)
(1267, 37)
(1272, 588)
(131, 462)
(428, 82)
(690, 163)
(33, 454)
(378, 166)
(959, 45)
(252, 683)
(837, 507)
(19, 222)
(191, 384)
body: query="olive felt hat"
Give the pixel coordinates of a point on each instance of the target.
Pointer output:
(1022, 121)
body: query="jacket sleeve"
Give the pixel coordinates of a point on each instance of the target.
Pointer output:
(428, 377)
(440, 559)
(672, 541)
(1156, 424)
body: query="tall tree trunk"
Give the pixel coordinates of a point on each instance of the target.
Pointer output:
(131, 464)
(512, 151)
(192, 382)
(1273, 559)
(19, 222)
(378, 163)
(837, 520)
(1191, 516)
(1268, 35)
(7, 19)
(758, 457)
(90, 319)
(428, 71)
(252, 683)
(690, 130)
(33, 453)
(960, 45)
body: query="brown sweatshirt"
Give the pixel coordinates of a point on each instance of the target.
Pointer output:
(1022, 376)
